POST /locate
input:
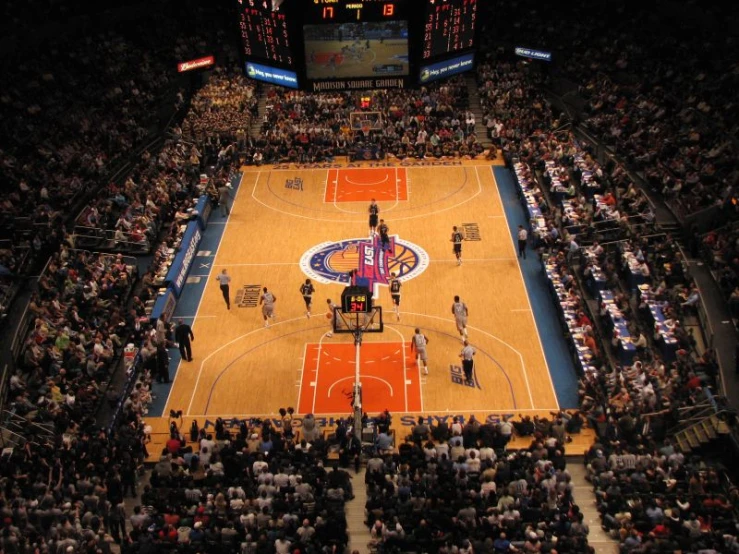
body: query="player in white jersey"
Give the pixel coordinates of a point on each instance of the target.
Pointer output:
(418, 345)
(267, 301)
(459, 309)
(330, 317)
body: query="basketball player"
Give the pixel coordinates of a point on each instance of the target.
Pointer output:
(374, 211)
(418, 344)
(307, 290)
(459, 309)
(395, 285)
(330, 317)
(267, 301)
(384, 237)
(467, 362)
(457, 240)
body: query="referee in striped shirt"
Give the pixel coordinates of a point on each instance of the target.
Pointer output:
(467, 362)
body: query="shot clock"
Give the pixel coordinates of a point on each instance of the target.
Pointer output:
(356, 300)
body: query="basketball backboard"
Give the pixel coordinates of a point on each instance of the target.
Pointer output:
(370, 322)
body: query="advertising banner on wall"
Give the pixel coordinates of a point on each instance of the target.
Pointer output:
(177, 274)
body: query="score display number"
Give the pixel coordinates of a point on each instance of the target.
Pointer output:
(329, 13)
(355, 304)
(449, 26)
(264, 34)
(356, 300)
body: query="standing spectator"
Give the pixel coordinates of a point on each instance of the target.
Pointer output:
(162, 364)
(183, 335)
(224, 195)
(523, 236)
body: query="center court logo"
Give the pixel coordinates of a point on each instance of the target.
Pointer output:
(331, 262)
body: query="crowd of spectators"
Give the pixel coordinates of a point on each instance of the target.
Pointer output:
(455, 488)
(64, 482)
(68, 115)
(63, 128)
(632, 404)
(223, 107)
(66, 118)
(432, 122)
(661, 500)
(78, 330)
(129, 216)
(513, 105)
(664, 103)
(653, 498)
(64, 493)
(720, 248)
(254, 490)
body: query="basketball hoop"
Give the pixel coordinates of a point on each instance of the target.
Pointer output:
(365, 129)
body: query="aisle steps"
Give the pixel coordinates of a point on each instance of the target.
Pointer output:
(359, 534)
(585, 499)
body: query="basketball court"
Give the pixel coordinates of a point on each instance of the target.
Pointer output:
(289, 223)
(362, 185)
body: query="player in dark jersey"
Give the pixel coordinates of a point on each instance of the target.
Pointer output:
(457, 238)
(374, 211)
(384, 237)
(395, 285)
(307, 290)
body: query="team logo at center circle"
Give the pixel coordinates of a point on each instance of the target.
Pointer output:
(332, 262)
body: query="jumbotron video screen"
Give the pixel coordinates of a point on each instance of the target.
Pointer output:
(344, 50)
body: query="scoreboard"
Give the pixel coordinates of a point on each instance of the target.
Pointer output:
(449, 26)
(356, 44)
(363, 10)
(264, 33)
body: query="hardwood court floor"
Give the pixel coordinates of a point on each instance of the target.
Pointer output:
(288, 222)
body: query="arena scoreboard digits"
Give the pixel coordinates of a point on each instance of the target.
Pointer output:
(340, 11)
(356, 300)
(356, 44)
(449, 26)
(264, 33)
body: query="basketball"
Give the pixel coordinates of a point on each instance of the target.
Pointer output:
(329, 315)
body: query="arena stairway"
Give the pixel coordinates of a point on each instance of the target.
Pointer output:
(701, 432)
(359, 535)
(255, 127)
(476, 108)
(585, 499)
